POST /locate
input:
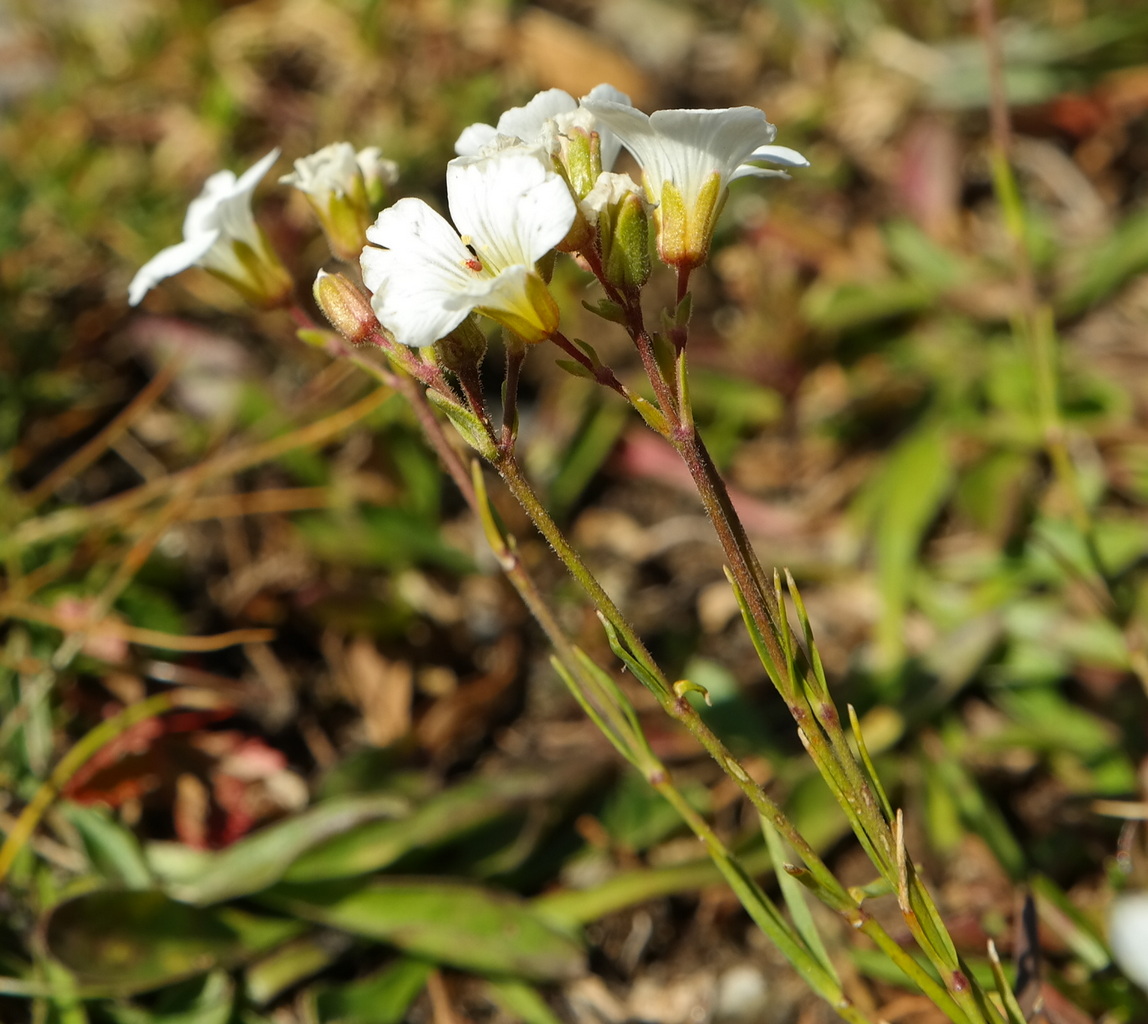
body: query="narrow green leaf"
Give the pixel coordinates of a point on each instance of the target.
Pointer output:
(453, 923)
(522, 1002)
(645, 674)
(262, 858)
(1013, 1012)
(794, 894)
(1076, 930)
(113, 850)
(870, 768)
(121, 942)
(607, 310)
(207, 1000)
(383, 998)
(447, 817)
(469, 426)
(771, 669)
(291, 963)
(575, 368)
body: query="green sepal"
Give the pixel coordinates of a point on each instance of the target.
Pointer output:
(469, 426)
(683, 311)
(607, 310)
(684, 686)
(645, 674)
(575, 369)
(653, 416)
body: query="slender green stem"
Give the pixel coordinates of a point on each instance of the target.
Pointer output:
(515, 353)
(825, 739)
(512, 475)
(618, 726)
(601, 374)
(819, 721)
(762, 909)
(680, 708)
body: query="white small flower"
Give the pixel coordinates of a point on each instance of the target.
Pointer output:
(343, 188)
(512, 209)
(338, 170)
(1128, 935)
(561, 125)
(688, 157)
(220, 235)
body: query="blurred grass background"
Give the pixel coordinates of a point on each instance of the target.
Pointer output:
(194, 503)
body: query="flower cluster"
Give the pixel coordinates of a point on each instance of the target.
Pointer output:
(542, 179)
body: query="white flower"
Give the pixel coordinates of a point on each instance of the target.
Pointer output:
(220, 235)
(564, 127)
(688, 157)
(343, 188)
(337, 169)
(512, 209)
(1128, 935)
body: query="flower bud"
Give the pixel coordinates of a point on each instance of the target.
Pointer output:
(576, 149)
(620, 210)
(346, 307)
(378, 174)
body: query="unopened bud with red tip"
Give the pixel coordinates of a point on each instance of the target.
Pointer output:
(622, 215)
(346, 307)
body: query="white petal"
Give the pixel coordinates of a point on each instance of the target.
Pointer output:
(333, 169)
(654, 154)
(373, 166)
(421, 234)
(526, 123)
(169, 262)
(225, 204)
(610, 143)
(417, 305)
(782, 155)
(513, 207)
(609, 93)
(608, 190)
(421, 282)
(1128, 935)
(686, 146)
(631, 124)
(256, 173)
(475, 138)
(726, 138)
(507, 291)
(201, 211)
